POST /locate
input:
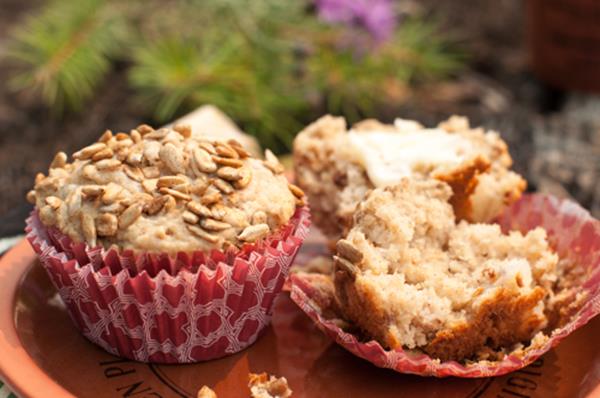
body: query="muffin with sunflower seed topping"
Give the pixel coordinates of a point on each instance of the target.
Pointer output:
(162, 203)
(165, 191)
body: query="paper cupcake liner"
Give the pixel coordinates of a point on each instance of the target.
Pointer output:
(573, 233)
(153, 308)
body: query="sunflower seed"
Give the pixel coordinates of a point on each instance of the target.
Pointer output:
(115, 207)
(31, 197)
(105, 153)
(223, 186)
(130, 215)
(344, 265)
(74, 203)
(111, 192)
(172, 157)
(198, 187)
(134, 158)
(144, 129)
(229, 173)
(239, 148)
(259, 217)
(170, 203)
(225, 150)
(47, 215)
(122, 144)
(149, 185)
(155, 205)
(218, 212)
(296, 190)
(203, 161)
(272, 163)
(183, 188)
(175, 194)
(106, 136)
(254, 232)
(199, 209)
(39, 177)
(59, 161)
(246, 177)
(152, 151)
(53, 202)
(170, 181)
(348, 251)
(210, 196)
(190, 217)
(88, 227)
(208, 147)
(89, 151)
(184, 129)
(107, 225)
(202, 234)
(156, 134)
(121, 136)
(121, 154)
(214, 225)
(92, 191)
(47, 184)
(135, 136)
(108, 165)
(151, 172)
(227, 161)
(134, 173)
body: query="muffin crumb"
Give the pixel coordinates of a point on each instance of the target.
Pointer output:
(410, 277)
(268, 386)
(206, 392)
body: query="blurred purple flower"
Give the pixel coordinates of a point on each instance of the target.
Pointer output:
(376, 16)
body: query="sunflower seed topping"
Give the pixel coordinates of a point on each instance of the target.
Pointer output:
(59, 161)
(130, 215)
(202, 234)
(107, 225)
(348, 251)
(254, 233)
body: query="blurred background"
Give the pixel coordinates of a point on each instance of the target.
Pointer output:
(528, 68)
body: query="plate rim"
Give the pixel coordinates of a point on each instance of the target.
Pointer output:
(18, 369)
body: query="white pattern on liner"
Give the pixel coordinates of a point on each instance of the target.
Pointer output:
(388, 156)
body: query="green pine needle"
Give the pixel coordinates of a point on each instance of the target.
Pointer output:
(269, 64)
(64, 52)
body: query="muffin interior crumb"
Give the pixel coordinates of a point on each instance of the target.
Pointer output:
(409, 276)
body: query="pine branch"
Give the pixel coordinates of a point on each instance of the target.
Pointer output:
(64, 51)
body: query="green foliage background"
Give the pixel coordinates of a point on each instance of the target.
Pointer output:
(270, 64)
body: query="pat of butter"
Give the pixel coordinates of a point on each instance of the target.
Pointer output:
(388, 156)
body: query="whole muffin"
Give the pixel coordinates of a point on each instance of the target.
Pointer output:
(167, 246)
(336, 166)
(164, 191)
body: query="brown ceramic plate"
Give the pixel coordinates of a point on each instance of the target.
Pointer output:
(42, 355)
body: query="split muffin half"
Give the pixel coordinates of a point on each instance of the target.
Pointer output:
(336, 167)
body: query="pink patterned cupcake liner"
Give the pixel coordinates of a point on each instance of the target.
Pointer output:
(153, 308)
(573, 233)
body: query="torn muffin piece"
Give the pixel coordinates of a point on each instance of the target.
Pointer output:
(410, 277)
(268, 386)
(336, 167)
